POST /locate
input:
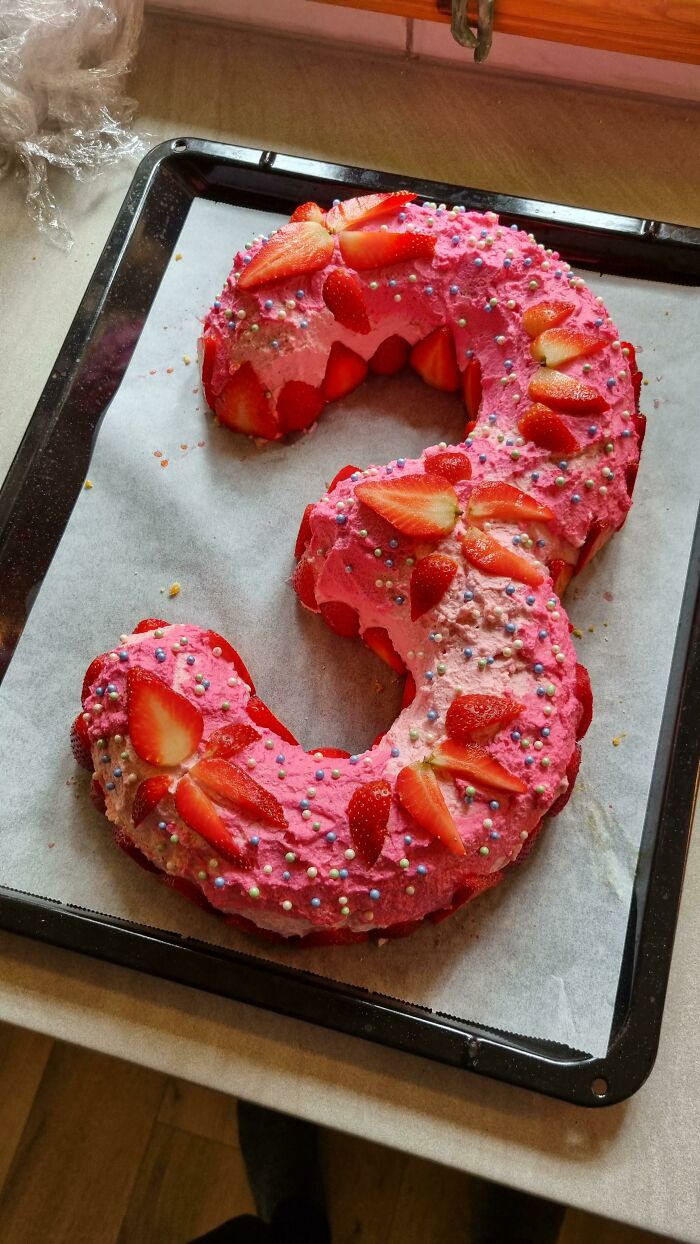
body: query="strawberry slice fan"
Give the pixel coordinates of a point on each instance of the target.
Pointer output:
(449, 567)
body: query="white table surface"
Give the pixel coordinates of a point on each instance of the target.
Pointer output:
(636, 1162)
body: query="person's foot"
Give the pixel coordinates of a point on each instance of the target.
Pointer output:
(284, 1173)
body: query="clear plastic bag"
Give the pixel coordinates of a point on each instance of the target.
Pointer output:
(62, 65)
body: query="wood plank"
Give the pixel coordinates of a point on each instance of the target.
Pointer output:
(77, 1161)
(200, 1111)
(431, 1205)
(581, 1228)
(362, 1182)
(186, 1185)
(23, 1058)
(669, 30)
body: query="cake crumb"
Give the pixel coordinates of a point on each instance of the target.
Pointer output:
(178, 255)
(591, 629)
(618, 738)
(164, 462)
(174, 589)
(186, 360)
(170, 370)
(88, 484)
(577, 632)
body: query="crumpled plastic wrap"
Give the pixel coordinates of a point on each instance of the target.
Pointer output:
(62, 66)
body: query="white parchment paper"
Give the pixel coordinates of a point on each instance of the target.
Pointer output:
(540, 955)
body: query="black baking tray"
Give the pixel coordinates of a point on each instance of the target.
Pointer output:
(52, 461)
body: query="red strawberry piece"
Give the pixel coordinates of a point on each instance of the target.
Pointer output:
(409, 691)
(94, 673)
(430, 578)
(631, 477)
(545, 315)
(344, 473)
(471, 393)
(565, 393)
(419, 794)
(229, 740)
(546, 429)
(341, 618)
(354, 212)
(228, 653)
(345, 370)
(584, 695)
(450, 465)
(477, 717)
(164, 727)
(97, 796)
(640, 427)
(377, 639)
(488, 554)
(390, 357)
(598, 534)
(330, 753)
(557, 346)
(80, 743)
(635, 374)
(209, 343)
(244, 406)
(223, 781)
(299, 405)
(497, 500)
(304, 246)
(304, 584)
(417, 505)
(265, 718)
(470, 761)
(148, 795)
(345, 299)
(368, 817)
(435, 360)
(561, 573)
(198, 811)
(571, 773)
(308, 211)
(381, 249)
(149, 624)
(304, 534)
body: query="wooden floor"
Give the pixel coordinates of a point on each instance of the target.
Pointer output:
(98, 1151)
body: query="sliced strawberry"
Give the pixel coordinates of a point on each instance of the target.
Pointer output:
(418, 505)
(435, 360)
(228, 653)
(497, 500)
(475, 717)
(80, 743)
(229, 740)
(304, 534)
(223, 781)
(598, 534)
(304, 246)
(198, 811)
(635, 374)
(451, 466)
(640, 427)
(561, 573)
(148, 795)
(584, 695)
(631, 477)
(345, 370)
(368, 817)
(344, 473)
(471, 393)
(149, 624)
(244, 406)
(97, 796)
(354, 212)
(209, 345)
(299, 405)
(304, 585)
(557, 346)
(93, 674)
(265, 718)
(308, 211)
(545, 315)
(377, 639)
(430, 578)
(164, 727)
(474, 763)
(341, 618)
(418, 792)
(565, 393)
(571, 773)
(546, 429)
(390, 357)
(363, 251)
(488, 554)
(409, 691)
(345, 299)
(330, 753)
